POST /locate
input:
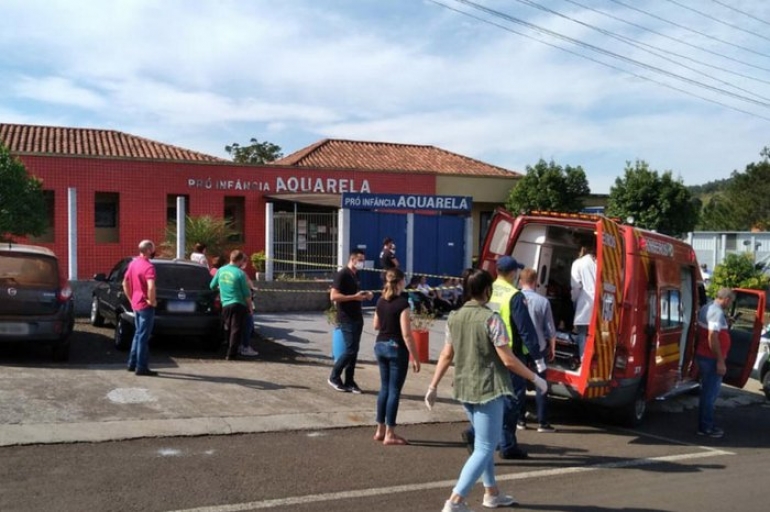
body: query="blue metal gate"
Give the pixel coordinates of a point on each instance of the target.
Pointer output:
(438, 242)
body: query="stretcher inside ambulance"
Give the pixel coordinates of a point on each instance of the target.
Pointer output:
(642, 324)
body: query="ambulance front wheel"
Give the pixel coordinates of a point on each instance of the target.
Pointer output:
(633, 413)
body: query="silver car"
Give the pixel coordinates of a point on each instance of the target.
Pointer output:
(36, 304)
(761, 370)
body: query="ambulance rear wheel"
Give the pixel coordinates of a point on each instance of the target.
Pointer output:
(633, 413)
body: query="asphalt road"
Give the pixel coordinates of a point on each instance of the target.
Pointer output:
(586, 466)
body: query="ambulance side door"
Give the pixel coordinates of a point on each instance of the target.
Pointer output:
(664, 351)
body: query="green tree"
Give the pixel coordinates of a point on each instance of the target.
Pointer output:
(549, 187)
(748, 195)
(737, 270)
(717, 215)
(22, 203)
(214, 233)
(657, 202)
(255, 153)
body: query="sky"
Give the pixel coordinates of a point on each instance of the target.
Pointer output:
(590, 83)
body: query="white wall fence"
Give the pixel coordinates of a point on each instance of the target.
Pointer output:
(711, 247)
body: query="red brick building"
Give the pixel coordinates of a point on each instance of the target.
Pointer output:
(126, 186)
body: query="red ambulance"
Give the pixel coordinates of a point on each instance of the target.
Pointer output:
(642, 331)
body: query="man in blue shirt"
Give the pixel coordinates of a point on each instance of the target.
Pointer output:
(542, 319)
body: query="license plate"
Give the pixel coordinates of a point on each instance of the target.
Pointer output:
(15, 328)
(180, 306)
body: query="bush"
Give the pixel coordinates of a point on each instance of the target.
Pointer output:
(737, 271)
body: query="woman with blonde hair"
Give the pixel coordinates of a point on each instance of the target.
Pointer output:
(392, 348)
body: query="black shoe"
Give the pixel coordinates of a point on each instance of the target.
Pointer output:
(337, 386)
(353, 388)
(468, 439)
(514, 454)
(131, 368)
(231, 357)
(147, 373)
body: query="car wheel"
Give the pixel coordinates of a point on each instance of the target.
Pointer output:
(124, 334)
(633, 413)
(60, 352)
(97, 320)
(766, 384)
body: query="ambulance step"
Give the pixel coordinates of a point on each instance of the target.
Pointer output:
(679, 389)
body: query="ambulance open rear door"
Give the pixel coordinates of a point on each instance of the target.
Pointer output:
(596, 368)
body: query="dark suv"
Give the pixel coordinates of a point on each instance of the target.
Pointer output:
(36, 305)
(186, 304)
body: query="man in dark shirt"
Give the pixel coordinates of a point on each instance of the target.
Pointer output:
(388, 256)
(346, 294)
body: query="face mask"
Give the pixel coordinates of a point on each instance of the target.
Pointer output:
(359, 265)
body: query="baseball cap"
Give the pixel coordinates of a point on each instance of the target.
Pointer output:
(507, 264)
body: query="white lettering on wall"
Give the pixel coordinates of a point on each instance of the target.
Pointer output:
(293, 184)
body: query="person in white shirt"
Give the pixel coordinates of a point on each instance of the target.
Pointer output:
(704, 272)
(583, 281)
(199, 255)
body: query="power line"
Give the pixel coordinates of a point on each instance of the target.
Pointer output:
(597, 61)
(682, 41)
(640, 45)
(741, 12)
(714, 18)
(690, 29)
(598, 49)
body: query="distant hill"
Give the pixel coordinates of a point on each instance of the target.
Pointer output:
(709, 188)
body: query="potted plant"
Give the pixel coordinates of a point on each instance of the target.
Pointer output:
(421, 321)
(258, 260)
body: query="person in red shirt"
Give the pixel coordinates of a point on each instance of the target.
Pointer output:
(139, 287)
(710, 354)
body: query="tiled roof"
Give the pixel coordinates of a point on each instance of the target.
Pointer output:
(384, 156)
(54, 140)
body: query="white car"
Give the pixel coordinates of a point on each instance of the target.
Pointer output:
(761, 370)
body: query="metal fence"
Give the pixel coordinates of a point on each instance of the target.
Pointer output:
(305, 245)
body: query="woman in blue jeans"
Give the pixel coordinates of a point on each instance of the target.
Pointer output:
(477, 343)
(392, 348)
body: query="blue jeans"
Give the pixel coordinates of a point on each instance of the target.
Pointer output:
(248, 330)
(394, 365)
(139, 356)
(710, 383)
(541, 399)
(351, 333)
(512, 408)
(581, 333)
(486, 419)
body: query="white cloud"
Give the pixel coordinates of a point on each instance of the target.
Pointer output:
(204, 74)
(59, 91)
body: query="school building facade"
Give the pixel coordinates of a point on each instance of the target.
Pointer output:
(116, 189)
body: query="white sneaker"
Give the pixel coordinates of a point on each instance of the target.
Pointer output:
(248, 352)
(501, 500)
(455, 507)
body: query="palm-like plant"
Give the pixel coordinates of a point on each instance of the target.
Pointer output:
(205, 230)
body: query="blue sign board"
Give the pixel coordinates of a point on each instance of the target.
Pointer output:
(354, 201)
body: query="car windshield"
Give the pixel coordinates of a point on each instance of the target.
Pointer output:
(189, 277)
(29, 270)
